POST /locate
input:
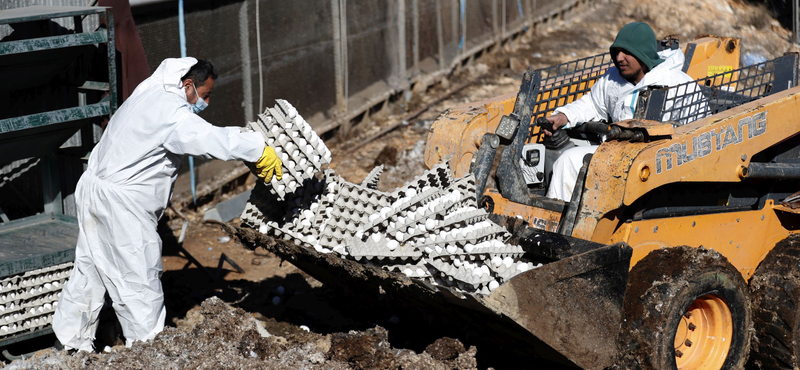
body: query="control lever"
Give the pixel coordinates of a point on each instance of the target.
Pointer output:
(557, 140)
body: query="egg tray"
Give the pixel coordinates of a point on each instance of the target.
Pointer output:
(28, 300)
(431, 223)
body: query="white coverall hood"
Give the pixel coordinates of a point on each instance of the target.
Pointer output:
(120, 198)
(169, 73)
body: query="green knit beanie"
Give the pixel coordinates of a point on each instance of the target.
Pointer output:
(638, 39)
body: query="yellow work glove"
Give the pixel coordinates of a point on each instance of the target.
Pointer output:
(269, 164)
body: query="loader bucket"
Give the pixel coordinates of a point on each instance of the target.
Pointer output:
(567, 312)
(573, 305)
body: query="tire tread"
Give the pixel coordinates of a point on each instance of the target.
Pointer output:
(774, 289)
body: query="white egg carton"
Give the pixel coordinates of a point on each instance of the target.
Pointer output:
(481, 251)
(436, 177)
(406, 208)
(465, 215)
(418, 270)
(467, 188)
(302, 152)
(378, 246)
(371, 181)
(506, 268)
(28, 300)
(469, 274)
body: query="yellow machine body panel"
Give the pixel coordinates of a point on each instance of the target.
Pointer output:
(717, 148)
(744, 238)
(713, 55)
(456, 135)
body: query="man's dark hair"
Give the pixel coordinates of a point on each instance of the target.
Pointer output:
(200, 72)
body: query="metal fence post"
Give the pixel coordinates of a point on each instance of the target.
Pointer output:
(343, 40)
(401, 41)
(339, 20)
(415, 15)
(532, 15)
(244, 55)
(337, 54)
(112, 64)
(495, 28)
(503, 32)
(439, 33)
(462, 44)
(454, 23)
(795, 20)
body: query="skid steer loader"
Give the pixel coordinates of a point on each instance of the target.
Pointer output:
(647, 265)
(721, 184)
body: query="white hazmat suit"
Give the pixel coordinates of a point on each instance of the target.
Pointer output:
(122, 195)
(611, 97)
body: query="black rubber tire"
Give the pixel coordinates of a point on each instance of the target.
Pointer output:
(661, 287)
(775, 289)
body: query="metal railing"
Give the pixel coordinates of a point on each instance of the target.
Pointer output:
(564, 83)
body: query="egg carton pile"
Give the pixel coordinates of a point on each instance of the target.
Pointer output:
(430, 228)
(303, 153)
(28, 300)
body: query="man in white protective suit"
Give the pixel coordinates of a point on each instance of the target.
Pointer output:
(613, 97)
(125, 190)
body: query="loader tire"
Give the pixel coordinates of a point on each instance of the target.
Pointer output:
(685, 308)
(775, 289)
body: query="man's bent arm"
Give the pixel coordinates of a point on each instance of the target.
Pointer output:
(590, 107)
(192, 135)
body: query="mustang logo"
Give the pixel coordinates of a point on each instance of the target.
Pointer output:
(707, 142)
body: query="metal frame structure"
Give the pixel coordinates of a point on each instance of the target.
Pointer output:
(48, 239)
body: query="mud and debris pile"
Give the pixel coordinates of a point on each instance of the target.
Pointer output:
(430, 228)
(230, 338)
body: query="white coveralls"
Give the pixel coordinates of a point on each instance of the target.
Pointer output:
(611, 97)
(122, 195)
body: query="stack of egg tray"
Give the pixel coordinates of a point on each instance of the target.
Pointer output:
(303, 153)
(28, 300)
(430, 228)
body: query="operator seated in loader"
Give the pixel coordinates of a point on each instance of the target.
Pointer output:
(613, 97)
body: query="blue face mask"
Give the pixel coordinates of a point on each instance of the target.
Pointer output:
(200, 104)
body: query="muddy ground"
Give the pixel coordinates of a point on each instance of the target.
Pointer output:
(213, 321)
